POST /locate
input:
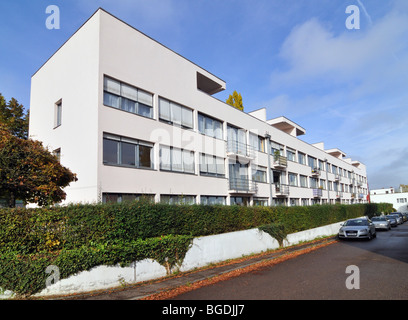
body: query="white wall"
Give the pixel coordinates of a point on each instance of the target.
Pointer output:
(392, 198)
(204, 251)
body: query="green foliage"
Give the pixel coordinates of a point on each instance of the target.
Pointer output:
(276, 231)
(79, 237)
(12, 116)
(29, 172)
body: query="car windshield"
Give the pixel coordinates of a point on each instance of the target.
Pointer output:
(357, 222)
(390, 217)
(378, 219)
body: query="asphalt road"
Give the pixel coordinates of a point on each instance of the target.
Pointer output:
(382, 274)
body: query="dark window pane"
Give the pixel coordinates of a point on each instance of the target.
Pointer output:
(110, 151)
(145, 160)
(128, 105)
(145, 111)
(128, 154)
(111, 100)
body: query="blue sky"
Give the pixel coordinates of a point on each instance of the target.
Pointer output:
(347, 88)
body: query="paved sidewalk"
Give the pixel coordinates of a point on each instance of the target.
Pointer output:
(143, 290)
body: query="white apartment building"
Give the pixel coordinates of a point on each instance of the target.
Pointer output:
(399, 200)
(131, 117)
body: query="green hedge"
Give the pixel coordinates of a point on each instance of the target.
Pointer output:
(79, 237)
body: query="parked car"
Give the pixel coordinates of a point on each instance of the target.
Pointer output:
(357, 229)
(397, 216)
(393, 220)
(403, 217)
(381, 223)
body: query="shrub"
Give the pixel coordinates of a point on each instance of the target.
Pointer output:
(79, 237)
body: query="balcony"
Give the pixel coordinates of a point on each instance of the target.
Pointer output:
(337, 177)
(279, 162)
(242, 185)
(315, 172)
(317, 193)
(361, 196)
(281, 190)
(339, 195)
(239, 149)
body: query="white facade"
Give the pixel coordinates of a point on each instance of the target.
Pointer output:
(399, 200)
(131, 117)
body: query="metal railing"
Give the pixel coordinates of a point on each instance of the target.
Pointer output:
(280, 161)
(242, 185)
(239, 148)
(317, 193)
(281, 189)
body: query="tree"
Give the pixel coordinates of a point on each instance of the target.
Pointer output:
(12, 116)
(235, 100)
(29, 172)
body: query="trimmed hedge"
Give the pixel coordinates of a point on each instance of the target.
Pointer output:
(79, 237)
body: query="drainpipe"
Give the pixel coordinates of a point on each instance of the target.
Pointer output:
(268, 148)
(327, 183)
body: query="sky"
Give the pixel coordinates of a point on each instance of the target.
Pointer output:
(343, 76)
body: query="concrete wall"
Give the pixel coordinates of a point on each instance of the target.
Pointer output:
(204, 251)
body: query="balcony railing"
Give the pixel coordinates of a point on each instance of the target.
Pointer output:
(337, 177)
(237, 148)
(242, 185)
(282, 190)
(317, 193)
(315, 172)
(280, 161)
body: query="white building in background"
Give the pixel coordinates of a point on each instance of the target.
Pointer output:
(131, 117)
(399, 200)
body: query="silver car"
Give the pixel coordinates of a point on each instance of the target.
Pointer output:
(361, 228)
(381, 223)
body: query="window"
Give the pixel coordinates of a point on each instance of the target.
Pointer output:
(240, 201)
(57, 114)
(323, 184)
(291, 154)
(312, 162)
(293, 179)
(313, 183)
(175, 114)
(57, 153)
(128, 98)
(210, 126)
(211, 165)
(302, 158)
(276, 148)
(334, 169)
(122, 197)
(177, 160)
(177, 199)
(261, 202)
(259, 174)
(256, 142)
(303, 181)
(294, 202)
(212, 200)
(127, 152)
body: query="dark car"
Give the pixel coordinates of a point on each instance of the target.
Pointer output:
(393, 220)
(403, 217)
